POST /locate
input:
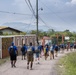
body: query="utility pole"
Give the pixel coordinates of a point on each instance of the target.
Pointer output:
(37, 20)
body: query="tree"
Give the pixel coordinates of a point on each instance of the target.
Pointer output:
(33, 31)
(66, 30)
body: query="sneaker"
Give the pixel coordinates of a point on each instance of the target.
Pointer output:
(14, 65)
(24, 58)
(38, 63)
(31, 69)
(27, 67)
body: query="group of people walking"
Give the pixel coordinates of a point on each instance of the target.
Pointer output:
(37, 52)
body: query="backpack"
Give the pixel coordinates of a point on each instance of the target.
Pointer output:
(29, 51)
(56, 48)
(23, 49)
(75, 46)
(37, 50)
(44, 50)
(11, 51)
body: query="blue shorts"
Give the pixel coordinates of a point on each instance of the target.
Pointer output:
(37, 55)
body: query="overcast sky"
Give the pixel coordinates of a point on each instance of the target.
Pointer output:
(56, 14)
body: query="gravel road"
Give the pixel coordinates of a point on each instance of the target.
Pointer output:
(46, 67)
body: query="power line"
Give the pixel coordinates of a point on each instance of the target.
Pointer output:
(30, 7)
(30, 23)
(14, 13)
(34, 12)
(24, 14)
(45, 23)
(55, 13)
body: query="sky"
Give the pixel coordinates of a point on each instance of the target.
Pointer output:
(56, 14)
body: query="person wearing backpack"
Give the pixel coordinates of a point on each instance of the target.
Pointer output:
(52, 51)
(74, 46)
(56, 50)
(46, 51)
(62, 48)
(13, 52)
(30, 56)
(38, 52)
(24, 51)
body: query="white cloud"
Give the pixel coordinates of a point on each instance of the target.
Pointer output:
(72, 2)
(55, 12)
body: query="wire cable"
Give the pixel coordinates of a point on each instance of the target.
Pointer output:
(30, 7)
(34, 13)
(45, 23)
(54, 13)
(14, 13)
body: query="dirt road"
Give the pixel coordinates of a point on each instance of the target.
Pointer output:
(44, 68)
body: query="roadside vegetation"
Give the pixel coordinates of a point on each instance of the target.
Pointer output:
(2, 61)
(67, 65)
(56, 36)
(53, 35)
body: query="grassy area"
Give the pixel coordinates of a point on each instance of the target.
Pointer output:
(3, 60)
(67, 65)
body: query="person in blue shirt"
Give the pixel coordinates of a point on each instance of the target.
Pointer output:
(30, 56)
(71, 46)
(40, 49)
(46, 51)
(23, 50)
(38, 52)
(52, 48)
(56, 50)
(13, 52)
(74, 46)
(62, 47)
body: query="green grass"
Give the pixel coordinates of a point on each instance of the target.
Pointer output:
(3, 60)
(67, 64)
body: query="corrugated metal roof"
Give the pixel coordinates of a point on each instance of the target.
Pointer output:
(3, 27)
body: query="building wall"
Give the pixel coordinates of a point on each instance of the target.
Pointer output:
(6, 42)
(0, 48)
(18, 43)
(18, 40)
(29, 39)
(0, 43)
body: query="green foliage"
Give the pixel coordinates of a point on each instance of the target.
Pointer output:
(51, 33)
(4, 60)
(23, 33)
(54, 40)
(33, 32)
(69, 64)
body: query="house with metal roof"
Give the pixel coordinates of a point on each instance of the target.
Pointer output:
(8, 30)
